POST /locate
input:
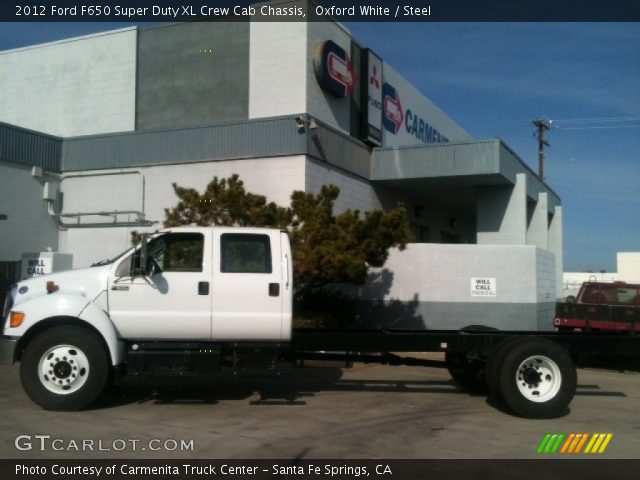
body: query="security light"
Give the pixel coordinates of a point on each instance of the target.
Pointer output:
(300, 123)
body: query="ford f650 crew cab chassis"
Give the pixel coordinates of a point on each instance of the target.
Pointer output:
(194, 300)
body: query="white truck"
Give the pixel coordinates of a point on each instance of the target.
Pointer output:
(193, 300)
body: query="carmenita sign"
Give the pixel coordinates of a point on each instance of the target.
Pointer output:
(483, 287)
(333, 68)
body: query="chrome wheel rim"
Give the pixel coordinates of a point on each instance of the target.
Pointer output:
(63, 369)
(538, 378)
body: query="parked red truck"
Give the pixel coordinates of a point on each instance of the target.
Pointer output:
(601, 306)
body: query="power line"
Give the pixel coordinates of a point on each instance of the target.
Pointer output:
(629, 121)
(598, 127)
(597, 119)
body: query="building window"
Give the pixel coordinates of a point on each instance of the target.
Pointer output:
(245, 253)
(447, 237)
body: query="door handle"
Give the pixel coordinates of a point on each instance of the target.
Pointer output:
(274, 289)
(203, 288)
(120, 287)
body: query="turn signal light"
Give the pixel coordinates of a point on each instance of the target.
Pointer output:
(16, 319)
(51, 287)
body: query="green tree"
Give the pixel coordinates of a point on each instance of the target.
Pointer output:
(225, 202)
(327, 248)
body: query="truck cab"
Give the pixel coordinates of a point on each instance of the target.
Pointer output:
(204, 284)
(181, 294)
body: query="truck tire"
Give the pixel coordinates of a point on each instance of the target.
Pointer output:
(467, 373)
(496, 358)
(537, 379)
(468, 369)
(64, 368)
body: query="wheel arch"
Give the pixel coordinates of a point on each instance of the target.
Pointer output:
(111, 344)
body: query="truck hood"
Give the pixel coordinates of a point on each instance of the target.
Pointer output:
(84, 282)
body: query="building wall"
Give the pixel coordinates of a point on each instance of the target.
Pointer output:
(78, 86)
(277, 63)
(501, 213)
(439, 221)
(359, 193)
(355, 192)
(273, 177)
(546, 286)
(192, 74)
(428, 286)
(148, 189)
(628, 266)
(27, 227)
(538, 222)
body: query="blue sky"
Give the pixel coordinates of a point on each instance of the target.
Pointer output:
(493, 79)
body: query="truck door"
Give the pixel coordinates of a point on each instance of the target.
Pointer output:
(247, 285)
(175, 302)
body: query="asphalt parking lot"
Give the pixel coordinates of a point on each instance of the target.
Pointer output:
(319, 411)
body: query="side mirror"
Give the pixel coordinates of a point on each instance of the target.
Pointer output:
(148, 268)
(570, 299)
(151, 267)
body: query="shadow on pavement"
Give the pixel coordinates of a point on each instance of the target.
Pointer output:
(288, 388)
(610, 362)
(292, 386)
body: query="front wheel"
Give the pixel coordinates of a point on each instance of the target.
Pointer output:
(64, 368)
(537, 379)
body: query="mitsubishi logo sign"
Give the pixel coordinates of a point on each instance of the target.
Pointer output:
(333, 69)
(372, 108)
(373, 81)
(393, 116)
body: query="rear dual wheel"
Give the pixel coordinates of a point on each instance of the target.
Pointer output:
(534, 377)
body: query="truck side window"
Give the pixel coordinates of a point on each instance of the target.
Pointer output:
(625, 296)
(245, 253)
(178, 252)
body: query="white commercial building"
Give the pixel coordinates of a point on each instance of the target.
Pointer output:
(628, 270)
(111, 120)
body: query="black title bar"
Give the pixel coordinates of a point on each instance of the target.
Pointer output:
(318, 10)
(320, 469)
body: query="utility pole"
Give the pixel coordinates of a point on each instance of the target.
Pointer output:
(541, 127)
